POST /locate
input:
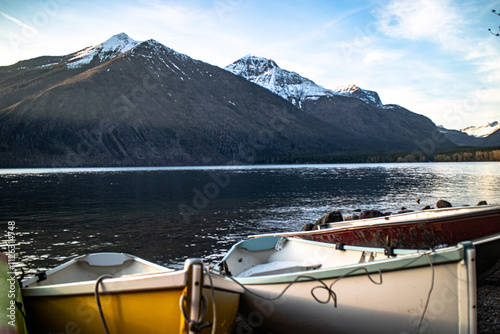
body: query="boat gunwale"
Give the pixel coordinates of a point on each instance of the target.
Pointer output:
(168, 279)
(408, 259)
(80, 259)
(388, 221)
(115, 285)
(270, 245)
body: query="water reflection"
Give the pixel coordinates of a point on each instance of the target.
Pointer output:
(168, 214)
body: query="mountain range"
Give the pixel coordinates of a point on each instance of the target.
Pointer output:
(290, 85)
(477, 136)
(130, 103)
(297, 90)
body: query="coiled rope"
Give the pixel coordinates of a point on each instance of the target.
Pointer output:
(195, 325)
(333, 296)
(200, 324)
(305, 278)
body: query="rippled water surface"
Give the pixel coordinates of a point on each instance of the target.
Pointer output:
(166, 215)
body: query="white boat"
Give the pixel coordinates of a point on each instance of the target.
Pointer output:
(300, 286)
(418, 230)
(121, 293)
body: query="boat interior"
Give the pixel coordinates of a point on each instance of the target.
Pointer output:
(281, 255)
(92, 266)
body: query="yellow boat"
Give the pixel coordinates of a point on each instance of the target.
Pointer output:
(121, 293)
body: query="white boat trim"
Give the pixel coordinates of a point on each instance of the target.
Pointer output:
(158, 278)
(405, 258)
(415, 290)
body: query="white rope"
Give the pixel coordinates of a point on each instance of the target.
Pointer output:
(214, 312)
(429, 294)
(332, 294)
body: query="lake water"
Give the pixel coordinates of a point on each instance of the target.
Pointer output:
(166, 215)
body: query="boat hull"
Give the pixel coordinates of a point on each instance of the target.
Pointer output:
(132, 312)
(299, 286)
(131, 295)
(395, 306)
(425, 229)
(420, 230)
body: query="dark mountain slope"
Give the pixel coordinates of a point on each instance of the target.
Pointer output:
(131, 103)
(356, 116)
(376, 129)
(492, 140)
(147, 106)
(461, 138)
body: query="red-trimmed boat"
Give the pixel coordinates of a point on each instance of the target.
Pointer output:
(417, 230)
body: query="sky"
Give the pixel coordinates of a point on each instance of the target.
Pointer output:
(435, 58)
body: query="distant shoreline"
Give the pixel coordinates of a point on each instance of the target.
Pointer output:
(462, 154)
(84, 169)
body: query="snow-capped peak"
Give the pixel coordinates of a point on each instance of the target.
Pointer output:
(290, 85)
(256, 63)
(113, 47)
(266, 73)
(120, 43)
(346, 89)
(482, 130)
(261, 71)
(368, 96)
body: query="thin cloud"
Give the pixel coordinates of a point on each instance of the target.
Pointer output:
(419, 20)
(18, 22)
(425, 55)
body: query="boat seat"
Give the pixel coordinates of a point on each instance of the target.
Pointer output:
(279, 267)
(105, 259)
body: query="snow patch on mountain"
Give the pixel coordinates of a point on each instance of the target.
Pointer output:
(266, 73)
(442, 129)
(481, 131)
(113, 47)
(364, 95)
(290, 85)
